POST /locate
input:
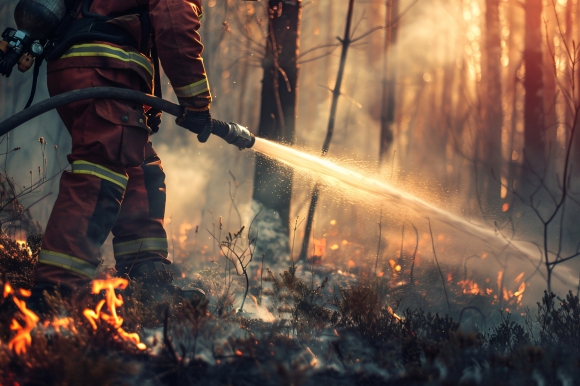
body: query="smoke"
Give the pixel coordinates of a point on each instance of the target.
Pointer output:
(271, 237)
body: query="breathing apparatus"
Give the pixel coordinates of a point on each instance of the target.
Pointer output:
(36, 21)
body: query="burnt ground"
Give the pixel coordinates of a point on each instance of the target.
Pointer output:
(355, 335)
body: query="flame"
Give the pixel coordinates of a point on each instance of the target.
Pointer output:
(24, 292)
(7, 290)
(22, 340)
(58, 323)
(184, 230)
(319, 246)
(24, 246)
(112, 302)
(132, 337)
(470, 287)
(262, 312)
(520, 290)
(392, 312)
(520, 277)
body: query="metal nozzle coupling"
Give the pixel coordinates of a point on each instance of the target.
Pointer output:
(240, 136)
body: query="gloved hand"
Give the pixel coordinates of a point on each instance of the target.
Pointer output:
(153, 119)
(197, 121)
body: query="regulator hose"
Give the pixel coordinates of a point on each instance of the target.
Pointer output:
(232, 133)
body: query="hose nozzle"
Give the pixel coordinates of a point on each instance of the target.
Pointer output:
(239, 136)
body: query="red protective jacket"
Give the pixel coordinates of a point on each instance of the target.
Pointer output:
(175, 25)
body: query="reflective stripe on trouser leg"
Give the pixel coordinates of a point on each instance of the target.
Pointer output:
(157, 245)
(70, 263)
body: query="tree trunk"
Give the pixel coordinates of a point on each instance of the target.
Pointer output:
(534, 152)
(388, 104)
(273, 181)
(549, 91)
(493, 121)
(346, 41)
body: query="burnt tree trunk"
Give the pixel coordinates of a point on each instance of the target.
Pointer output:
(346, 42)
(534, 152)
(388, 97)
(273, 181)
(493, 121)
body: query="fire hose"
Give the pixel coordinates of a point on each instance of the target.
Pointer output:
(232, 133)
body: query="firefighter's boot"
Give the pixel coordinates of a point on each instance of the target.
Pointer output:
(156, 280)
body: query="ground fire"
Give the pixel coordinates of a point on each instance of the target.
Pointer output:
(111, 302)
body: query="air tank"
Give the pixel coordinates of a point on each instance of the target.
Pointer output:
(39, 18)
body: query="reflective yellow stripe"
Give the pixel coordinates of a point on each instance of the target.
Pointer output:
(95, 49)
(84, 167)
(151, 244)
(193, 89)
(70, 263)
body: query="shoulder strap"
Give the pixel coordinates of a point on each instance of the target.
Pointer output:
(85, 10)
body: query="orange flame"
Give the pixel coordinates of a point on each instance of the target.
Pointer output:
(319, 246)
(24, 246)
(520, 290)
(7, 290)
(22, 340)
(58, 323)
(112, 302)
(470, 287)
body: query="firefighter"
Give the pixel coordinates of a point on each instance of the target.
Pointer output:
(116, 182)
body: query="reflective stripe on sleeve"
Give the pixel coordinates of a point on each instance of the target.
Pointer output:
(193, 89)
(84, 167)
(151, 244)
(67, 262)
(96, 49)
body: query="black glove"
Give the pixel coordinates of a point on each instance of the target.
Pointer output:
(153, 119)
(198, 122)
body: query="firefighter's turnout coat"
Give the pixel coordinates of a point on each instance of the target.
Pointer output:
(116, 182)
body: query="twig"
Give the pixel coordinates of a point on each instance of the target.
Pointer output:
(438, 266)
(411, 279)
(379, 243)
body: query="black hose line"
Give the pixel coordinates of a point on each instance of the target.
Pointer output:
(232, 133)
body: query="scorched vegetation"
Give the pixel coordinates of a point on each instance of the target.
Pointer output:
(299, 331)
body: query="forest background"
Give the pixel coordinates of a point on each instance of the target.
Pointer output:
(481, 99)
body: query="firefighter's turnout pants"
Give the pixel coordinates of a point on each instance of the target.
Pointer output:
(116, 183)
